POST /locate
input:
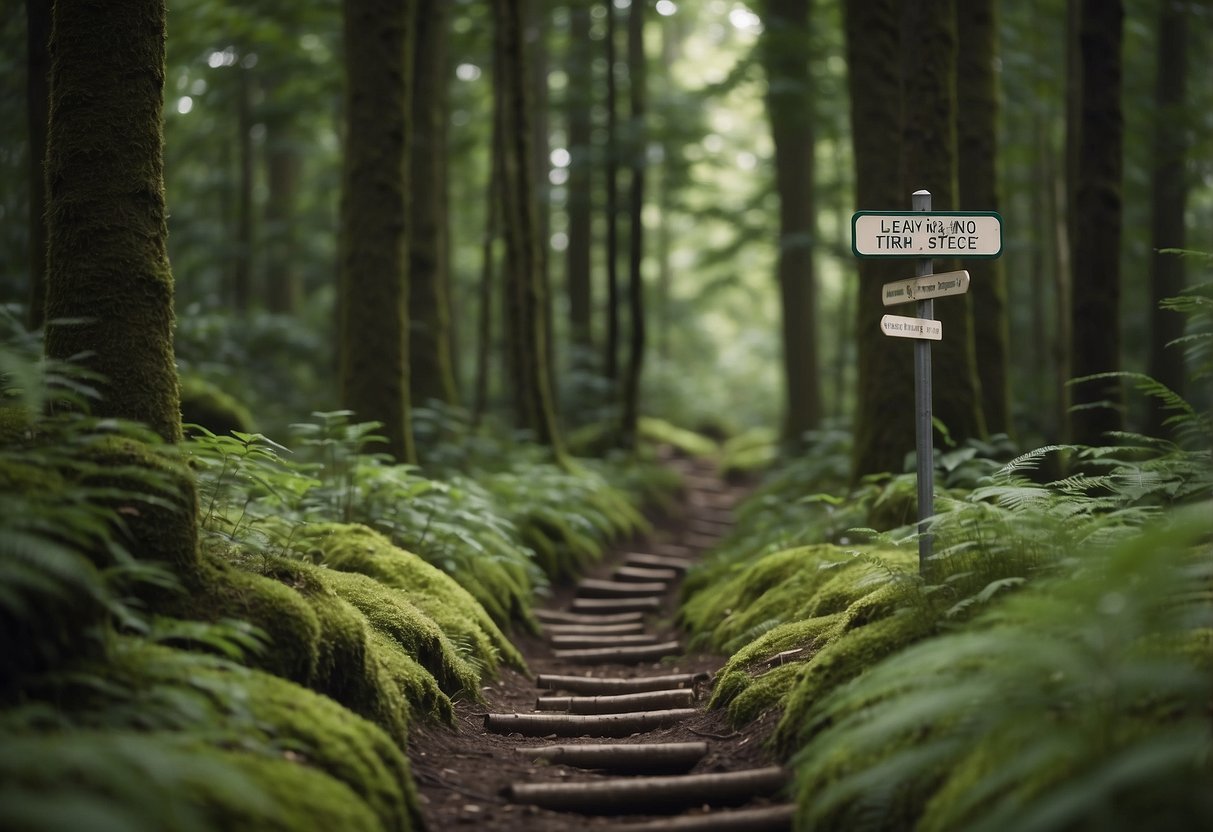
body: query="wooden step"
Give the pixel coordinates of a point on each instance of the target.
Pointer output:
(613, 606)
(650, 561)
(576, 640)
(632, 758)
(619, 655)
(640, 574)
(765, 819)
(595, 685)
(701, 541)
(623, 703)
(585, 725)
(593, 629)
(594, 588)
(561, 617)
(646, 795)
(709, 527)
(672, 550)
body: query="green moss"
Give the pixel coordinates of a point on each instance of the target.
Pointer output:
(426, 699)
(660, 431)
(354, 548)
(15, 424)
(808, 634)
(205, 404)
(764, 692)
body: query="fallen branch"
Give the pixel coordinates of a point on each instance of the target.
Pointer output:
(560, 617)
(594, 588)
(657, 561)
(649, 794)
(593, 629)
(573, 640)
(620, 655)
(598, 685)
(608, 606)
(618, 703)
(767, 819)
(639, 574)
(624, 757)
(584, 725)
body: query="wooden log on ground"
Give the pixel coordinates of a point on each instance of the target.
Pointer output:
(619, 655)
(709, 527)
(593, 629)
(622, 757)
(657, 561)
(585, 725)
(612, 606)
(576, 640)
(596, 685)
(622, 703)
(594, 588)
(699, 483)
(765, 819)
(651, 794)
(701, 541)
(639, 574)
(672, 550)
(561, 617)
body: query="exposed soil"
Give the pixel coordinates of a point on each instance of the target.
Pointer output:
(462, 772)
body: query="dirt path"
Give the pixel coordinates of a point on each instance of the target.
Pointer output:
(465, 775)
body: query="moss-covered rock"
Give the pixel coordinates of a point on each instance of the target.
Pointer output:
(208, 405)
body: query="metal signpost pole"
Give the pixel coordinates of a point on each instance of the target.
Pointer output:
(923, 422)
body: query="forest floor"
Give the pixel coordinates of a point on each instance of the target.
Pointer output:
(463, 772)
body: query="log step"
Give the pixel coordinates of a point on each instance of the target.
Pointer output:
(651, 794)
(597, 685)
(709, 484)
(594, 588)
(619, 655)
(766, 819)
(648, 561)
(672, 550)
(575, 640)
(702, 541)
(621, 703)
(593, 629)
(612, 606)
(561, 617)
(639, 574)
(585, 725)
(709, 527)
(623, 757)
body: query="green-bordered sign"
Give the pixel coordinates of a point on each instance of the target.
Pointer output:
(911, 234)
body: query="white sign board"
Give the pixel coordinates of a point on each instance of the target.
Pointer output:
(925, 287)
(912, 234)
(922, 328)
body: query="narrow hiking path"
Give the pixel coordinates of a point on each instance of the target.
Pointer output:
(612, 732)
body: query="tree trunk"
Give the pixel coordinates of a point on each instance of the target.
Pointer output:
(928, 50)
(242, 267)
(789, 102)
(1168, 201)
(431, 370)
(610, 364)
(884, 423)
(37, 90)
(485, 294)
(374, 218)
(977, 98)
(1097, 222)
(282, 180)
(637, 148)
(579, 101)
(525, 300)
(108, 264)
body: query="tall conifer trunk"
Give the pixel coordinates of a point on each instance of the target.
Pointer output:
(578, 107)
(374, 218)
(637, 152)
(38, 32)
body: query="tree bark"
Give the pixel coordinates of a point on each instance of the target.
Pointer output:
(584, 725)
(1168, 201)
(637, 150)
(610, 364)
(1097, 224)
(579, 101)
(977, 99)
(652, 794)
(609, 606)
(37, 90)
(619, 703)
(374, 218)
(789, 101)
(595, 686)
(633, 654)
(623, 757)
(242, 264)
(282, 180)
(431, 370)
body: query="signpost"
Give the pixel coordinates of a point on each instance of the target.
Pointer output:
(923, 234)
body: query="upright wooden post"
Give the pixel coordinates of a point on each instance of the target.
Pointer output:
(923, 419)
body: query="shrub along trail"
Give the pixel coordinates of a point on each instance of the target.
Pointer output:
(611, 732)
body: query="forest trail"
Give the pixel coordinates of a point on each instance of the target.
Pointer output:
(612, 732)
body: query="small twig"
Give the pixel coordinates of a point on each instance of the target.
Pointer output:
(711, 736)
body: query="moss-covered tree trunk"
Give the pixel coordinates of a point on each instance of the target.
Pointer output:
(884, 415)
(1095, 345)
(977, 98)
(578, 107)
(1168, 201)
(109, 280)
(431, 370)
(37, 92)
(526, 330)
(637, 147)
(789, 100)
(928, 51)
(374, 218)
(610, 361)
